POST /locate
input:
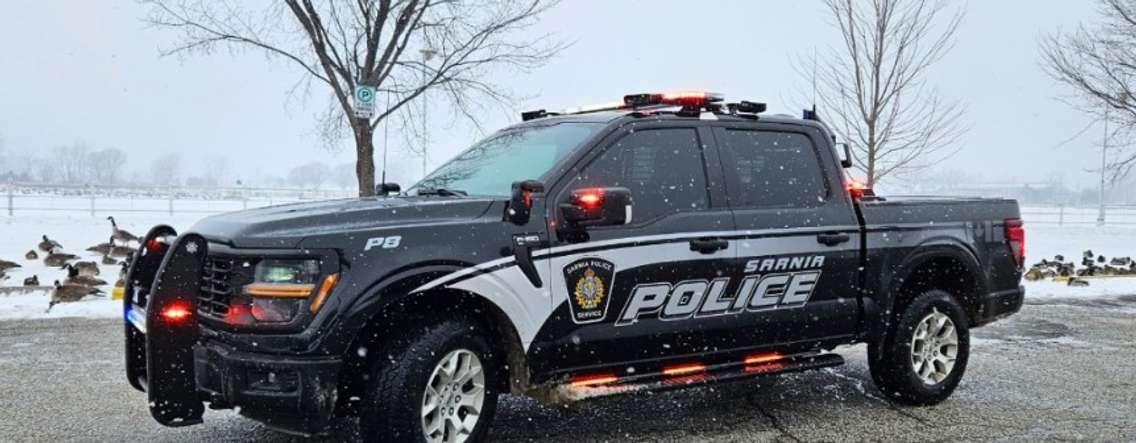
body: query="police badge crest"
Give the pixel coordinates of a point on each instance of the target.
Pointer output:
(589, 283)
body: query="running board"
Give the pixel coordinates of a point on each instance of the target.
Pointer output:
(692, 374)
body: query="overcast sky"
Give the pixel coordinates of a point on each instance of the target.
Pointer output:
(90, 71)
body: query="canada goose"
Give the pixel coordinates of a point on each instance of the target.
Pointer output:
(121, 235)
(120, 251)
(108, 260)
(6, 265)
(84, 280)
(32, 281)
(75, 276)
(31, 255)
(48, 244)
(70, 293)
(58, 259)
(3, 276)
(101, 248)
(1077, 282)
(88, 268)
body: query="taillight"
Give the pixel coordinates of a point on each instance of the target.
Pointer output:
(1016, 238)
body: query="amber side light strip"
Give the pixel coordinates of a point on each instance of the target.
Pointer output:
(593, 380)
(280, 290)
(691, 368)
(762, 358)
(329, 283)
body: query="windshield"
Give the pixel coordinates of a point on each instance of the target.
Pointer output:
(491, 166)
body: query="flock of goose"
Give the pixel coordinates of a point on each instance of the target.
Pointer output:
(82, 278)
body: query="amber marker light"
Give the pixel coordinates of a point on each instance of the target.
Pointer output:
(329, 283)
(279, 290)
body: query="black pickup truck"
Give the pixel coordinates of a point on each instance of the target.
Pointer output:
(667, 240)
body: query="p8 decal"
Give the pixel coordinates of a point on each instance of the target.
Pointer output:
(390, 242)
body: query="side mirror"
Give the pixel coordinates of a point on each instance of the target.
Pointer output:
(520, 203)
(597, 207)
(846, 162)
(386, 189)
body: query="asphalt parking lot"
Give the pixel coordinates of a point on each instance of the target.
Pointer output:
(1062, 369)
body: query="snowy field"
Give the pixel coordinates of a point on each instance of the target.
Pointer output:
(77, 230)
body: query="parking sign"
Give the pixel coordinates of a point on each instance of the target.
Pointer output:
(364, 101)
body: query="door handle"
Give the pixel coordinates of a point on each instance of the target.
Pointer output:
(708, 245)
(832, 239)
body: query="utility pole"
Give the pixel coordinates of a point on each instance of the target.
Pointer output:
(427, 54)
(1104, 155)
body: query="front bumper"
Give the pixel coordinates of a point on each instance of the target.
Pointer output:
(292, 393)
(999, 304)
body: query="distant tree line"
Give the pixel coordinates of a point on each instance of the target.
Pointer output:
(80, 164)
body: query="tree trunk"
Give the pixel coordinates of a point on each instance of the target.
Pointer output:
(365, 159)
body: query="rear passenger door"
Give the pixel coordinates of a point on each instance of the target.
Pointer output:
(798, 245)
(678, 213)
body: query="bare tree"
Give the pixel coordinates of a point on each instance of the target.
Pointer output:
(873, 88)
(1099, 65)
(375, 43)
(166, 169)
(311, 174)
(69, 164)
(106, 164)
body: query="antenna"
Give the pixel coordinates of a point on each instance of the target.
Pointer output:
(814, 79)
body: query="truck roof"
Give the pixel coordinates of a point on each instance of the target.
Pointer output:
(611, 116)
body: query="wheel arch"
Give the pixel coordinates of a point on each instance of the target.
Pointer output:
(939, 263)
(393, 307)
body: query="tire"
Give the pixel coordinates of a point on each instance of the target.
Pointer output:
(905, 365)
(394, 403)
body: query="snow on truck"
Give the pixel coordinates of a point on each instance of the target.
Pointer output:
(663, 241)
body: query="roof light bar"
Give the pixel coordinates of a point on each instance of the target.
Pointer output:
(685, 98)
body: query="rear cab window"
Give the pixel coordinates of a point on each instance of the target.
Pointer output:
(772, 169)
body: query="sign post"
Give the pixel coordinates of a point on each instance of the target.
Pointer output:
(364, 101)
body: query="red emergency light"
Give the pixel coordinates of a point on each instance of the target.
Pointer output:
(693, 99)
(175, 312)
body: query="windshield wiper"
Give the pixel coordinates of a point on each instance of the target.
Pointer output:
(442, 192)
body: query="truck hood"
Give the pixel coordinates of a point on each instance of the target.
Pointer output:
(285, 226)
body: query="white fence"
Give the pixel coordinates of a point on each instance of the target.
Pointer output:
(1078, 215)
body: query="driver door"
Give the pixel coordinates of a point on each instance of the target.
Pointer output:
(610, 284)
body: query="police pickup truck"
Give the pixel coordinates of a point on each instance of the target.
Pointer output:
(663, 241)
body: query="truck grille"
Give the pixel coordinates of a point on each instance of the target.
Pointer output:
(216, 287)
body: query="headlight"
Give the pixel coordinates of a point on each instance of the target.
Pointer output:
(281, 287)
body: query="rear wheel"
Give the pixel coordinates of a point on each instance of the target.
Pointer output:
(437, 386)
(921, 361)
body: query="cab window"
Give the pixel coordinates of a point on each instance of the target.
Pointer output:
(663, 168)
(774, 169)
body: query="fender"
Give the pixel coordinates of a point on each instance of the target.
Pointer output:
(353, 315)
(405, 283)
(893, 277)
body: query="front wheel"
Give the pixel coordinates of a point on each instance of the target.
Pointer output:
(921, 361)
(437, 386)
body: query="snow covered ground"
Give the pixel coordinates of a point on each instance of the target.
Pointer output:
(76, 231)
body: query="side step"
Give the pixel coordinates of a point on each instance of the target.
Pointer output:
(693, 374)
